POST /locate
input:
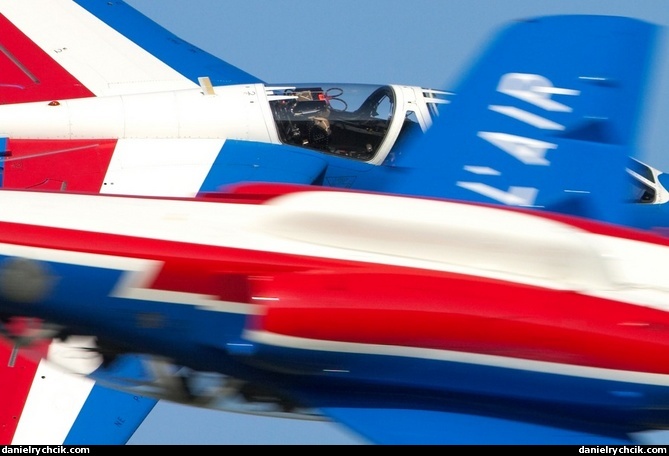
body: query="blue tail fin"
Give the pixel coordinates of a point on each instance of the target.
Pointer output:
(546, 118)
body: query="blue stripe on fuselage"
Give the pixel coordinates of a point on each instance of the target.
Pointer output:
(247, 161)
(440, 380)
(80, 298)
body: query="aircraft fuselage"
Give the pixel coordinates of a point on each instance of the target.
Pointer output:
(537, 310)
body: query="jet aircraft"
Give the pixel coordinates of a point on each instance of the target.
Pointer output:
(302, 303)
(138, 111)
(265, 362)
(96, 97)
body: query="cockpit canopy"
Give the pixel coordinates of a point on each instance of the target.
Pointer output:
(648, 185)
(359, 121)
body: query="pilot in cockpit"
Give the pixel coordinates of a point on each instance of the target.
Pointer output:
(304, 120)
(309, 119)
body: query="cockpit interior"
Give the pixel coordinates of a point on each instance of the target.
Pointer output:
(347, 120)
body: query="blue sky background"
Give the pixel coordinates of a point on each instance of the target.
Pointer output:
(422, 42)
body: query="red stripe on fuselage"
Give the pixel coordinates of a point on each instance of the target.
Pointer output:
(62, 165)
(467, 314)
(27, 73)
(349, 301)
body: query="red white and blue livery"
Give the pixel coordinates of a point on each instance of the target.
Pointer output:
(461, 323)
(409, 320)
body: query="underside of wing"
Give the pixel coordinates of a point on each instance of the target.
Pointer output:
(396, 426)
(43, 405)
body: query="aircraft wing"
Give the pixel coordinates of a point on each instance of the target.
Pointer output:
(44, 405)
(406, 426)
(78, 48)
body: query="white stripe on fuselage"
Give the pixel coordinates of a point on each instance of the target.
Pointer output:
(388, 230)
(160, 167)
(544, 367)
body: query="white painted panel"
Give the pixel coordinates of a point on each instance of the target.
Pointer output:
(52, 406)
(160, 167)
